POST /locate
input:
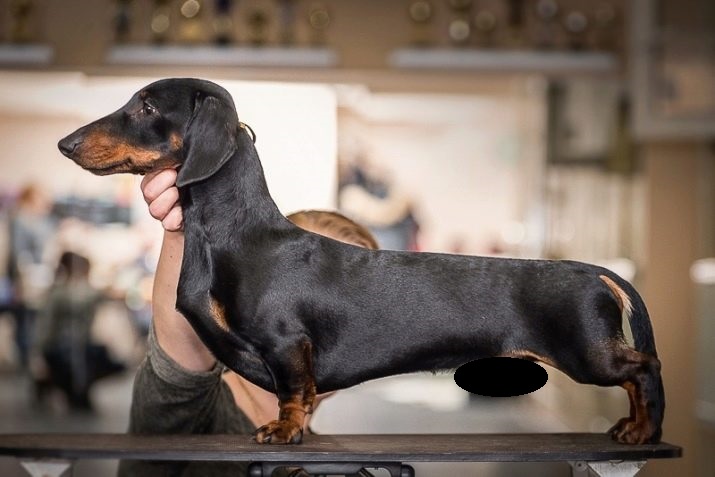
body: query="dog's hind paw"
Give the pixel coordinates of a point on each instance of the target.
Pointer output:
(628, 431)
(279, 432)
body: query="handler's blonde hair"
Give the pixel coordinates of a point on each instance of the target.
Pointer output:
(335, 226)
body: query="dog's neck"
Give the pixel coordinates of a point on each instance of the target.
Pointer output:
(237, 195)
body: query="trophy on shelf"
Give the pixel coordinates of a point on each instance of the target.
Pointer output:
(319, 21)
(287, 21)
(22, 12)
(576, 25)
(191, 28)
(485, 27)
(258, 26)
(421, 15)
(546, 29)
(222, 22)
(516, 24)
(122, 21)
(161, 21)
(606, 27)
(460, 28)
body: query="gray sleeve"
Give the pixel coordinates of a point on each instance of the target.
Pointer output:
(170, 399)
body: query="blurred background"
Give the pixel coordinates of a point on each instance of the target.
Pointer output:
(527, 128)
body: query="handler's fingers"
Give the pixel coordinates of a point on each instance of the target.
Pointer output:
(148, 177)
(160, 207)
(154, 184)
(173, 222)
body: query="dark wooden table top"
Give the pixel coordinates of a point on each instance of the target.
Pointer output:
(335, 448)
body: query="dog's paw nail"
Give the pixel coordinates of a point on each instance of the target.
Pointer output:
(279, 432)
(297, 437)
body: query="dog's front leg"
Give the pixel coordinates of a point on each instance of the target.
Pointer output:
(295, 385)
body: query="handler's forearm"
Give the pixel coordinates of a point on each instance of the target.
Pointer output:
(174, 334)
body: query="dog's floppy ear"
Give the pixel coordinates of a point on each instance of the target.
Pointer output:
(209, 141)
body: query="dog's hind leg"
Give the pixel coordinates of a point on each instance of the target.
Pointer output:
(645, 393)
(296, 390)
(639, 374)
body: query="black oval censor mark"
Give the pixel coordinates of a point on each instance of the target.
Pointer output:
(500, 377)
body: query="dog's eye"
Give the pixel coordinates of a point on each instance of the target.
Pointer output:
(148, 109)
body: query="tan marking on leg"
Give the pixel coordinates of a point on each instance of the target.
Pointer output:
(218, 313)
(288, 428)
(636, 429)
(641, 407)
(310, 389)
(631, 389)
(293, 410)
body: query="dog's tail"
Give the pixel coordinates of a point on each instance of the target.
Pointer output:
(632, 305)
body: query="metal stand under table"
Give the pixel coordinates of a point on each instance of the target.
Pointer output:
(52, 455)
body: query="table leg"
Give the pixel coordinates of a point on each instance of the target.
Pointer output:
(265, 469)
(48, 468)
(606, 469)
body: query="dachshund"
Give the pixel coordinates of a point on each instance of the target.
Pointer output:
(299, 314)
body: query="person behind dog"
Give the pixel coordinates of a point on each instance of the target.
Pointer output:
(70, 360)
(180, 387)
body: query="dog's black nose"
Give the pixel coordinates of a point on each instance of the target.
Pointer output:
(68, 145)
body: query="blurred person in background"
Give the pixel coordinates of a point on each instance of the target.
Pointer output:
(31, 229)
(369, 196)
(68, 358)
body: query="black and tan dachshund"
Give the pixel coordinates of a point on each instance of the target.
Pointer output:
(297, 313)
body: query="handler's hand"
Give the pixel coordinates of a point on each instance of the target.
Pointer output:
(162, 195)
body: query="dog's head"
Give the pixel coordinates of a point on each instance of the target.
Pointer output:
(182, 123)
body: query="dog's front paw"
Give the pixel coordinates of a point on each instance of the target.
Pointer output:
(279, 432)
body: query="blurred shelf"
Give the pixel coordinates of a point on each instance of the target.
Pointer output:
(27, 54)
(222, 56)
(548, 62)
(671, 76)
(378, 80)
